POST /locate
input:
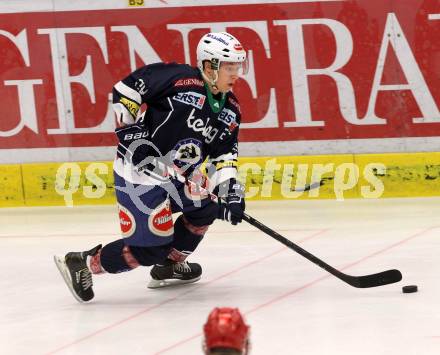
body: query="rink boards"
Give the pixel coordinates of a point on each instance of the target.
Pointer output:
(350, 79)
(266, 178)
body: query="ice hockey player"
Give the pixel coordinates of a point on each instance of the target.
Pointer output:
(225, 333)
(191, 116)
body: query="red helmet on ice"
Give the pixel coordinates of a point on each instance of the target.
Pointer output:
(226, 329)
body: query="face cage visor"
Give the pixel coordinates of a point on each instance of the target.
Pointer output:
(232, 68)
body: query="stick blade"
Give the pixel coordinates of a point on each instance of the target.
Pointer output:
(375, 280)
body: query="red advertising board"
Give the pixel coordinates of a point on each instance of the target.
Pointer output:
(319, 70)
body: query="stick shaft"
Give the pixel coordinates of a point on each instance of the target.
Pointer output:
(288, 243)
(366, 281)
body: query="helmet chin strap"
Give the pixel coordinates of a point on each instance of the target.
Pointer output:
(212, 82)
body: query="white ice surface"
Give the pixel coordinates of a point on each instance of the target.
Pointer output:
(293, 306)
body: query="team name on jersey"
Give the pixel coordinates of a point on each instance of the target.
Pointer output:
(189, 82)
(190, 98)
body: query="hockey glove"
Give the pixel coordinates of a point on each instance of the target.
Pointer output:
(231, 201)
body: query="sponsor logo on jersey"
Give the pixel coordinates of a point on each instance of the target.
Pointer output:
(188, 152)
(189, 82)
(229, 118)
(131, 106)
(191, 98)
(126, 221)
(198, 125)
(160, 222)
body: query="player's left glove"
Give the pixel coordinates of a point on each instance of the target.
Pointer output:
(231, 201)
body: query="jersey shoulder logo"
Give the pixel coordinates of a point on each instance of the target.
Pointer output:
(190, 98)
(140, 86)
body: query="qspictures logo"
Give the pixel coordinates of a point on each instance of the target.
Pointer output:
(271, 180)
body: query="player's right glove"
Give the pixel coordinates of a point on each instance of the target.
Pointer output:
(231, 201)
(133, 142)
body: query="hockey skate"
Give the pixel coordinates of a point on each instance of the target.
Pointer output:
(76, 274)
(173, 273)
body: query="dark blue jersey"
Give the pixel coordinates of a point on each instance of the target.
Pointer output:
(182, 116)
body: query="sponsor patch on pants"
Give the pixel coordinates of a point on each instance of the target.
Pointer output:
(126, 221)
(160, 222)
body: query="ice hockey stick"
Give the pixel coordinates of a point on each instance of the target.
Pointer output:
(365, 281)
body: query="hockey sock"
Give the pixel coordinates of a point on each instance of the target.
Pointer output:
(147, 256)
(117, 257)
(114, 257)
(94, 263)
(187, 237)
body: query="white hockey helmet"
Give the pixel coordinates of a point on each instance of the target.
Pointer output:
(218, 47)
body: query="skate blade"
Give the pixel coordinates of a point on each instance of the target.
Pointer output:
(170, 282)
(62, 267)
